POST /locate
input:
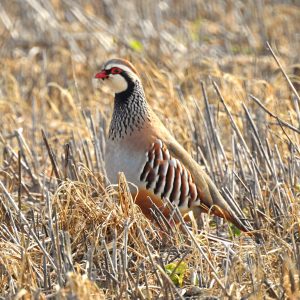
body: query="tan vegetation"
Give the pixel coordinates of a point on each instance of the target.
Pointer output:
(211, 77)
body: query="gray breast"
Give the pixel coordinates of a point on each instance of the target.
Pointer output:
(121, 158)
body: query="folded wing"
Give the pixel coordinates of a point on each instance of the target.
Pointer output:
(170, 172)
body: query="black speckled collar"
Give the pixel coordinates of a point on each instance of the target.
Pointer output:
(130, 110)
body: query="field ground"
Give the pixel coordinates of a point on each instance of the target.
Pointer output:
(213, 79)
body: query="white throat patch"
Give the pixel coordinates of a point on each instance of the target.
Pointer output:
(116, 82)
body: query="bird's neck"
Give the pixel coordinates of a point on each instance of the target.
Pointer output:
(131, 111)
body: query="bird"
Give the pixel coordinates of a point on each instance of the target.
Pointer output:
(141, 146)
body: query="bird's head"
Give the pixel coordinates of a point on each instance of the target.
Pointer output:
(118, 74)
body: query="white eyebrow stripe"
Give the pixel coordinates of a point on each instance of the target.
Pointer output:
(123, 67)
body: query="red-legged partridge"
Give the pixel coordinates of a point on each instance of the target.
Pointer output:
(140, 146)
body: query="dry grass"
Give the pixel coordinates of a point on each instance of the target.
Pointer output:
(210, 76)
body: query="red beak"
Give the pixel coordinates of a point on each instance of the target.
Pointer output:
(102, 75)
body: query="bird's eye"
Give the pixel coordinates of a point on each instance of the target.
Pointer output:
(115, 70)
